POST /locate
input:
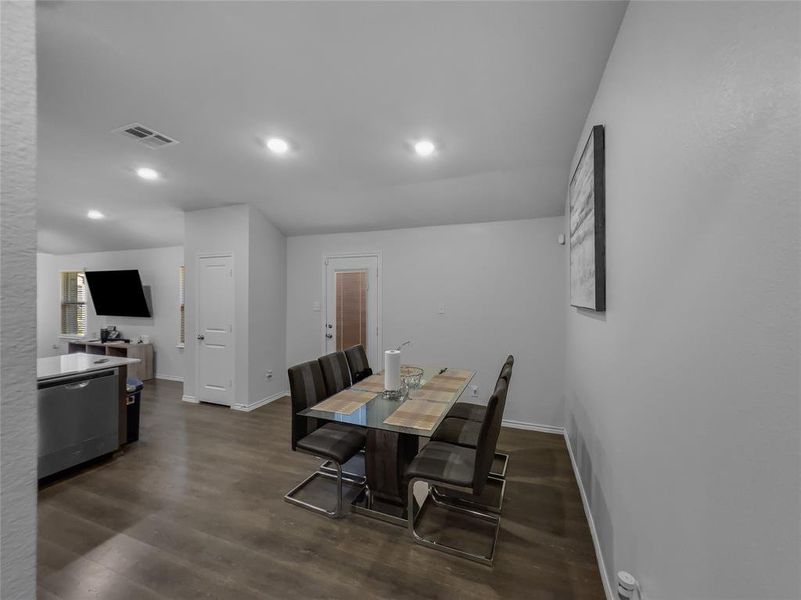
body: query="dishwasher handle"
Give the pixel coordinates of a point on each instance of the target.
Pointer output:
(77, 386)
(75, 379)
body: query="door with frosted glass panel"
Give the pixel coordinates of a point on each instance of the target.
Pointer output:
(351, 307)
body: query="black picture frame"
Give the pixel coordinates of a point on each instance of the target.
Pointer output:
(587, 202)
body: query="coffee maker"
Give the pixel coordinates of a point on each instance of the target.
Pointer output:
(109, 333)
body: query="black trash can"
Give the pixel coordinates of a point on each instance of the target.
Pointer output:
(134, 390)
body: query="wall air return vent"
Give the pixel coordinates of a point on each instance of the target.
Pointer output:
(144, 135)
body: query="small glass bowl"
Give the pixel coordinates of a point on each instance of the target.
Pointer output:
(411, 377)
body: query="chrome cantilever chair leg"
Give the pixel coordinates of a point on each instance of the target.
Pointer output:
(335, 514)
(357, 478)
(467, 500)
(418, 539)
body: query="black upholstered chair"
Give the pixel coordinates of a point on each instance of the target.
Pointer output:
(463, 432)
(358, 364)
(335, 442)
(475, 412)
(336, 373)
(464, 470)
(462, 423)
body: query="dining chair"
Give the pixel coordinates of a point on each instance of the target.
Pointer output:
(335, 442)
(464, 470)
(475, 412)
(336, 376)
(336, 373)
(358, 364)
(462, 422)
(463, 432)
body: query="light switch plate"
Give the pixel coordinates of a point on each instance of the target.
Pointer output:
(441, 308)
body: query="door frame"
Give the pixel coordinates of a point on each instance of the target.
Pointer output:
(379, 308)
(198, 257)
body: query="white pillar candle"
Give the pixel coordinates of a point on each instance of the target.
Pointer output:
(392, 380)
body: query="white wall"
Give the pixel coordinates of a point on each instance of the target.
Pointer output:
(224, 230)
(158, 268)
(682, 401)
(259, 282)
(267, 308)
(48, 293)
(503, 286)
(18, 431)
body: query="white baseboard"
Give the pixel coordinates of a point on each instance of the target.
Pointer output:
(585, 502)
(169, 377)
(593, 532)
(533, 427)
(259, 403)
(191, 399)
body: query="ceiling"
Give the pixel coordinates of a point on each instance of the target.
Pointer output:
(503, 88)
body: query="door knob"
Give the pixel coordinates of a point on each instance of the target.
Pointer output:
(328, 335)
(201, 337)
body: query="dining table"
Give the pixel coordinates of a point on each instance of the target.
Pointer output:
(395, 424)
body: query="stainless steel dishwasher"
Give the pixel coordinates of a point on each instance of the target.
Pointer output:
(78, 419)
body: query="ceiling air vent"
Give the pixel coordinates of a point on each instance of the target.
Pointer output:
(149, 137)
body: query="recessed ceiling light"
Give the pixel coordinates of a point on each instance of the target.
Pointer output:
(425, 148)
(95, 214)
(278, 145)
(147, 173)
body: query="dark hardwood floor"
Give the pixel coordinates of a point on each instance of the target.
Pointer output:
(195, 509)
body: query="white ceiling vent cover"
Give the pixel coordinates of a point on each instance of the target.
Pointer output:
(145, 135)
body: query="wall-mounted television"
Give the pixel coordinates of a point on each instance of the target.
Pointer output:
(117, 293)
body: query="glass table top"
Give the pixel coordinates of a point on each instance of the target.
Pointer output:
(373, 413)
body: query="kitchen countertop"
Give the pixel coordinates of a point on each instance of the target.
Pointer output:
(79, 362)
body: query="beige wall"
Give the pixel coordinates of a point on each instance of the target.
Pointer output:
(18, 428)
(267, 306)
(259, 251)
(682, 400)
(503, 287)
(208, 231)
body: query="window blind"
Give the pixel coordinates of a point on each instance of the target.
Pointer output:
(73, 303)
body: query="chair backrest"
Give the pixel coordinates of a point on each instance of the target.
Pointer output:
(357, 362)
(336, 373)
(505, 376)
(488, 437)
(505, 379)
(506, 369)
(506, 373)
(307, 388)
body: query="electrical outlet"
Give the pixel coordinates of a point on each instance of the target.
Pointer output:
(268, 375)
(474, 391)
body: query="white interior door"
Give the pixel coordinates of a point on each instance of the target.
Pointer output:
(215, 329)
(352, 313)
